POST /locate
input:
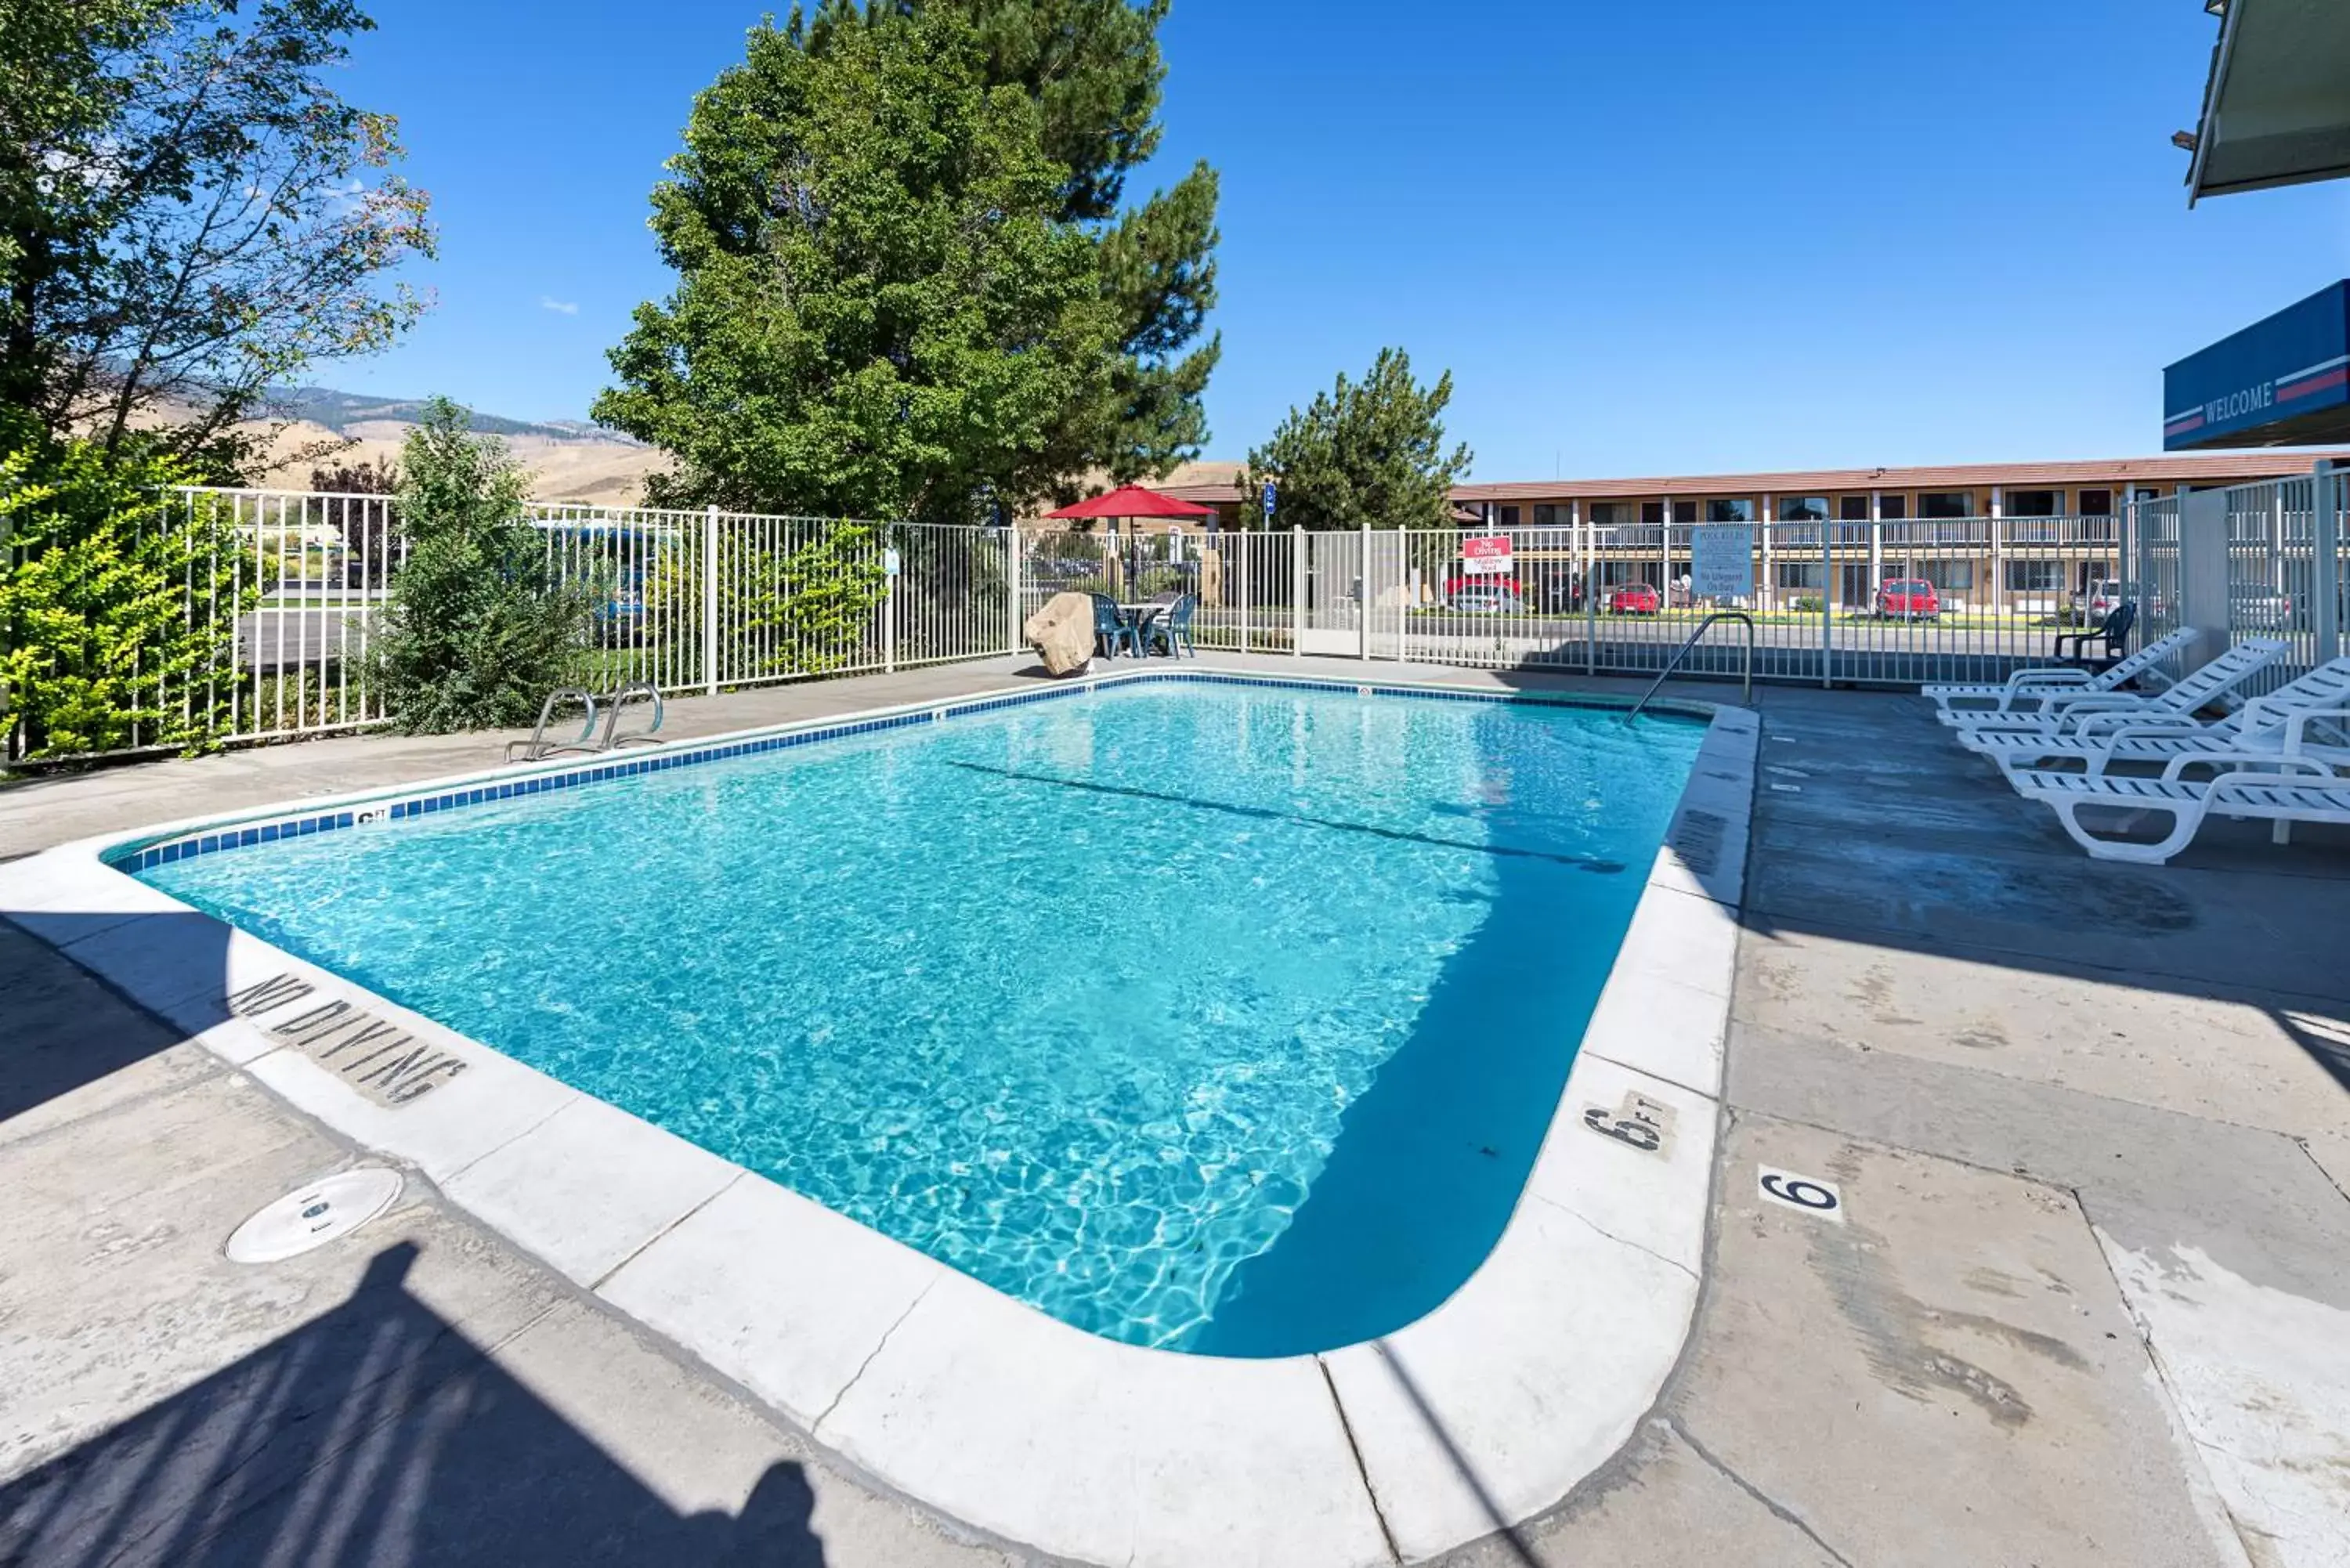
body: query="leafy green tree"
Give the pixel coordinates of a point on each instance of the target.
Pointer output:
(114, 632)
(1368, 451)
(1093, 68)
(188, 213)
(480, 626)
(900, 293)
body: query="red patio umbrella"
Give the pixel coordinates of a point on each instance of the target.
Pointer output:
(1131, 501)
(1126, 503)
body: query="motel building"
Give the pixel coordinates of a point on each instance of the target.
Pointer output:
(1993, 539)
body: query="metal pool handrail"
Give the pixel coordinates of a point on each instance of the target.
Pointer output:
(1746, 693)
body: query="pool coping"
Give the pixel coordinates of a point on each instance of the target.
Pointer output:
(1487, 1411)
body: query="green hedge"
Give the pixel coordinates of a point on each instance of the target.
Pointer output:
(117, 611)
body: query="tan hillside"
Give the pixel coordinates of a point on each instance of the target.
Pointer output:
(607, 472)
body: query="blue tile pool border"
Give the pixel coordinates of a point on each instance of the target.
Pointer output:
(215, 837)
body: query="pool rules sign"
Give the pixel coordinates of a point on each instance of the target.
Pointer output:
(1722, 561)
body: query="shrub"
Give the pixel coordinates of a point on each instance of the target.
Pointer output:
(480, 627)
(784, 608)
(1806, 604)
(118, 615)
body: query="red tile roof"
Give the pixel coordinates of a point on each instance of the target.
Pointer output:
(2197, 468)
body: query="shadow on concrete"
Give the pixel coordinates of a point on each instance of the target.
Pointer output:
(1894, 836)
(376, 1434)
(1872, 826)
(63, 1029)
(1506, 1531)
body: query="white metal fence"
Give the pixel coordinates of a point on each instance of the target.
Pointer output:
(289, 588)
(691, 601)
(2157, 531)
(2284, 570)
(1890, 601)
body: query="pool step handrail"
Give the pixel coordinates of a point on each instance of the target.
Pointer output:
(538, 745)
(614, 736)
(1746, 689)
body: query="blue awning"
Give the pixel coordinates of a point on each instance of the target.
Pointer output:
(2285, 381)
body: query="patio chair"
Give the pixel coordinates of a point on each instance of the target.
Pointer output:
(2044, 691)
(1112, 630)
(2285, 794)
(2265, 729)
(2113, 632)
(1172, 630)
(2179, 701)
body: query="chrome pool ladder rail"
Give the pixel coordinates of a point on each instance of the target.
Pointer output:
(538, 745)
(1746, 690)
(614, 736)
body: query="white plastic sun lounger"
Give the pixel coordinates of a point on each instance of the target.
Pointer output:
(2291, 794)
(2264, 729)
(2033, 692)
(2109, 710)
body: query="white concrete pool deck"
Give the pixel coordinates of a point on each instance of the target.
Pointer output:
(1480, 1416)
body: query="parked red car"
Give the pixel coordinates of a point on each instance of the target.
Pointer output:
(1634, 599)
(1908, 599)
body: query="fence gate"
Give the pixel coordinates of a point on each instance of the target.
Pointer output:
(1878, 601)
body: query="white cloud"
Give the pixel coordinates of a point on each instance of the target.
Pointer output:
(560, 307)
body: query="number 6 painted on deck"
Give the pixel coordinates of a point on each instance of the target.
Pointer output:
(1640, 1134)
(1799, 1190)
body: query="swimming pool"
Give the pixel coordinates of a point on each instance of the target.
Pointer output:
(1216, 1017)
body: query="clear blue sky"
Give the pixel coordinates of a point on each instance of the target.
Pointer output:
(1688, 235)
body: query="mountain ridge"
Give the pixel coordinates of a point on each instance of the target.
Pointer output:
(338, 410)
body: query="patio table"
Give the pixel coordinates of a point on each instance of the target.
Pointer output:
(1141, 615)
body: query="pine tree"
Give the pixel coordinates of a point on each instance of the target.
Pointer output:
(906, 287)
(1093, 68)
(1368, 451)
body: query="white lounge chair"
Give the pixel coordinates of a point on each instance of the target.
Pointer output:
(2263, 729)
(2293, 792)
(2042, 690)
(2109, 710)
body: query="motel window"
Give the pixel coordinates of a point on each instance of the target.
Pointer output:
(1949, 576)
(1548, 517)
(1852, 509)
(2096, 503)
(2035, 577)
(1508, 516)
(1947, 504)
(1803, 509)
(1796, 574)
(1611, 513)
(1893, 508)
(2032, 504)
(1652, 513)
(1739, 510)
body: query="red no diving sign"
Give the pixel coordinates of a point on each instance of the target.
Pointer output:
(1488, 556)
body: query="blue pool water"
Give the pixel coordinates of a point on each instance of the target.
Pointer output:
(1219, 1018)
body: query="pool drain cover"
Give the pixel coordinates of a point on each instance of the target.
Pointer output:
(314, 1215)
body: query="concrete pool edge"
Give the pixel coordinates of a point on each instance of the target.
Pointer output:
(1486, 1412)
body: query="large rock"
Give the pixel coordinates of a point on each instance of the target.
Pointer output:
(1062, 633)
